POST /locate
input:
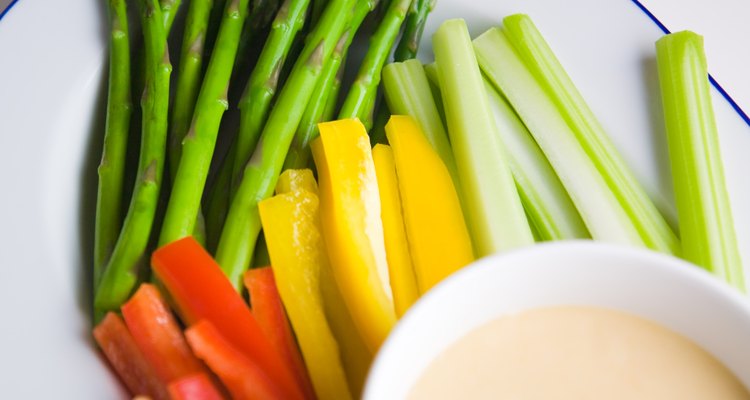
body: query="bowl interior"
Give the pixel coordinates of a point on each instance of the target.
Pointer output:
(660, 288)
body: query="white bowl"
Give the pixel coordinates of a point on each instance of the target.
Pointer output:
(663, 289)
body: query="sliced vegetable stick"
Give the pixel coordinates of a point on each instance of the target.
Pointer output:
(706, 224)
(127, 359)
(400, 267)
(544, 198)
(355, 356)
(243, 377)
(192, 387)
(350, 218)
(201, 291)
(297, 254)
(599, 207)
(158, 336)
(438, 239)
(493, 208)
(538, 57)
(269, 311)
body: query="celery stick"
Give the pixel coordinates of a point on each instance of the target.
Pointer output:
(493, 208)
(706, 224)
(548, 206)
(547, 70)
(599, 207)
(407, 92)
(431, 71)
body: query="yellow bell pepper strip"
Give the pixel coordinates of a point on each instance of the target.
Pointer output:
(400, 268)
(297, 253)
(294, 180)
(435, 228)
(350, 218)
(355, 356)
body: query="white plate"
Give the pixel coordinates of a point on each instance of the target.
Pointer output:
(52, 58)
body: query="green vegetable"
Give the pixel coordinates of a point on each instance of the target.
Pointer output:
(547, 204)
(262, 171)
(299, 151)
(189, 74)
(198, 145)
(261, 87)
(121, 273)
(360, 101)
(491, 203)
(547, 70)
(413, 28)
(598, 206)
(112, 166)
(706, 224)
(168, 12)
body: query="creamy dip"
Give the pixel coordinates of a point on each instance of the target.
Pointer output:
(576, 353)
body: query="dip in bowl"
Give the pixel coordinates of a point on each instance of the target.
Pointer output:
(660, 291)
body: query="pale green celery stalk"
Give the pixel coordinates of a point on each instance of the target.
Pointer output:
(598, 206)
(706, 224)
(407, 92)
(548, 205)
(431, 71)
(547, 70)
(491, 203)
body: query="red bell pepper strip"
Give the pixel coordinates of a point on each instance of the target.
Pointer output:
(269, 311)
(192, 387)
(244, 378)
(201, 291)
(130, 364)
(158, 336)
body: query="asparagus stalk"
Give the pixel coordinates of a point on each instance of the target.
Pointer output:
(217, 202)
(494, 212)
(299, 151)
(415, 21)
(121, 272)
(261, 87)
(262, 13)
(198, 145)
(317, 10)
(360, 101)
(541, 61)
(112, 166)
(243, 221)
(188, 78)
(703, 207)
(168, 12)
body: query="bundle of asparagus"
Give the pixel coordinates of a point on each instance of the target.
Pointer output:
(278, 114)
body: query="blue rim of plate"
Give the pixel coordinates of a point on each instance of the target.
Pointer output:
(3, 12)
(640, 6)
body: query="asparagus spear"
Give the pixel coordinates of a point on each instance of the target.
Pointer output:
(261, 87)
(262, 13)
(243, 221)
(112, 165)
(361, 98)
(168, 12)
(414, 26)
(317, 10)
(198, 145)
(188, 78)
(217, 201)
(120, 275)
(299, 152)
